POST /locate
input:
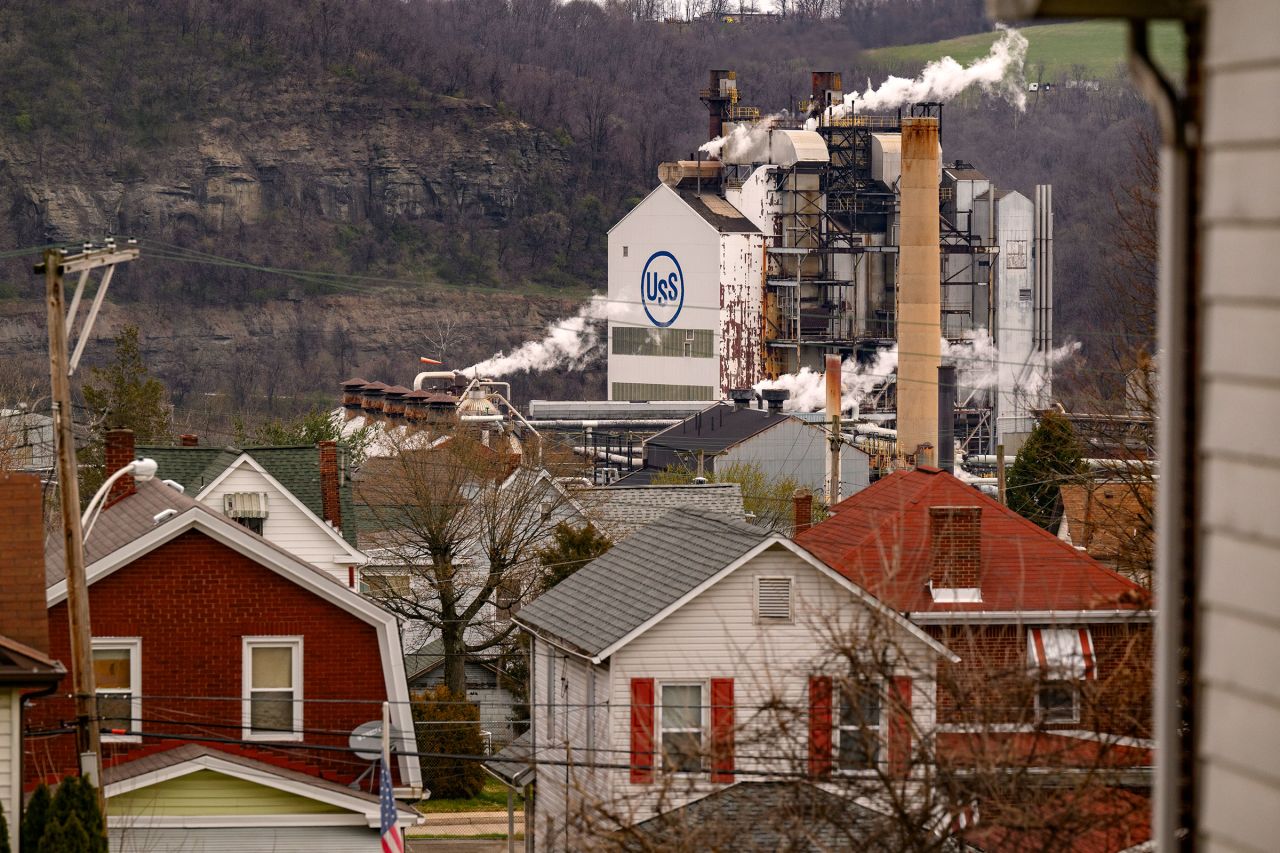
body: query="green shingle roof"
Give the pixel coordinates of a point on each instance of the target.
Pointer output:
(297, 468)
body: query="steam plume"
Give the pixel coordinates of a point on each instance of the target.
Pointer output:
(977, 362)
(998, 73)
(746, 143)
(567, 344)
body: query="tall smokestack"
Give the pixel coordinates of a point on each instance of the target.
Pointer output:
(919, 286)
(833, 423)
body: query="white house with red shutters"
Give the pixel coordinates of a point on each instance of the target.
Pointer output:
(701, 652)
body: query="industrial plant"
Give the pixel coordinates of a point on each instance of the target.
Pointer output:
(793, 237)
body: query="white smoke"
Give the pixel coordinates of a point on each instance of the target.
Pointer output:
(809, 390)
(746, 143)
(998, 73)
(567, 344)
(976, 359)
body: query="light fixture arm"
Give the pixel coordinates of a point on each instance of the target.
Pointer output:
(140, 469)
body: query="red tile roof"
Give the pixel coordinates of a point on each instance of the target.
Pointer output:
(879, 538)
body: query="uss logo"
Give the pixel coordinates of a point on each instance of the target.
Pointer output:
(662, 288)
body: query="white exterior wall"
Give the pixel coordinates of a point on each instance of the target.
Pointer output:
(293, 529)
(663, 222)
(741, 341)
(757, 199)
(713, 636)
(1239, 591)
(11, 762)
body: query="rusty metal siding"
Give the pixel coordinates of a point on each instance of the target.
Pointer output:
(741, 310)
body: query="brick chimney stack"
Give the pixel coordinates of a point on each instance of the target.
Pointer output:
(119, 454)
(189, 440)
(24, 615)
(955, 540)
(802, 504)
(329, 483)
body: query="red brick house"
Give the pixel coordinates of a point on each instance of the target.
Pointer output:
(1051, 641)
(207, 634)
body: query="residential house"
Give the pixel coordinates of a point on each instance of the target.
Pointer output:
(782, 446)
(620, 510)
(26, 440)
(702, 651)
(488, 688)
(26, 670)
(298, 497)
(1052, 643)
(1113, 521)
(206, 633)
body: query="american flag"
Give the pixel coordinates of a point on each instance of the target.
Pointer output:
(392, 840)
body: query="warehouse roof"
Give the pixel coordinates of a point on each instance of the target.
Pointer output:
(639, 577)
(718, 213)
(717, 428)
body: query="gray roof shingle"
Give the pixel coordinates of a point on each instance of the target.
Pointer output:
(640, 576)
(621, 510)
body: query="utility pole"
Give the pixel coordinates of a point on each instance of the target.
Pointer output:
(56, 265)
(1000, 473)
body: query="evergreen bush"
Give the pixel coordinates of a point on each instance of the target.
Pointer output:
(452, 727)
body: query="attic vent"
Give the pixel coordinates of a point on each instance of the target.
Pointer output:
(245, 505)
(773, 599)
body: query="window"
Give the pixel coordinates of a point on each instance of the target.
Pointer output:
(384, 583)
(117, 674)
(255, 524)
(681, 726)
(625, 250)
(773, 600)
(273, 688)
(858, 726)
(1056, 702)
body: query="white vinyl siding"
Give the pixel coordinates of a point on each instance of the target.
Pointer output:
(716, 636)
(258, 839)
(117, 667)
(1239, 591)
(272, 688)
(10, 762)
(285, 525)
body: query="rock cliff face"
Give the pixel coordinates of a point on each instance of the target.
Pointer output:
(289, 160)
(280, 182)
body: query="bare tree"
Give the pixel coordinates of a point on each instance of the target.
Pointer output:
(458, 524)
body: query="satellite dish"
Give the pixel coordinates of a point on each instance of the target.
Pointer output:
(366, 740)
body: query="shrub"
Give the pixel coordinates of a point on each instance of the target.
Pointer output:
(452, 727)
(36, 818)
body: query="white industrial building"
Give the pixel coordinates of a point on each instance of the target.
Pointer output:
(784, 247)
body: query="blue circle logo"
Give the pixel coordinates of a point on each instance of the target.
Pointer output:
(662, 288)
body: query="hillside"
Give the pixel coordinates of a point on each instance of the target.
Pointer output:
(1077, 50)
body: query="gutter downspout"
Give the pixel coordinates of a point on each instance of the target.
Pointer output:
(1177, 507)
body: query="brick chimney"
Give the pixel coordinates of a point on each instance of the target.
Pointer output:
(24, 616)
(329, 483)
(802, 505)
(955, 543)
(119, 454)
(189, 439)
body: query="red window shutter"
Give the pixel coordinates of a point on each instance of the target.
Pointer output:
(900, 725)
(722, 730)
(641, 730)
(819, 725)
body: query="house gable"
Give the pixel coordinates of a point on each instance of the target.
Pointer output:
(289, 523)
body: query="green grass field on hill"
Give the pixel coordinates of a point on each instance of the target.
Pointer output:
(1095, 49)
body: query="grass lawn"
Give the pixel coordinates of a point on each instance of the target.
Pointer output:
(493, 798)
(1098, 46)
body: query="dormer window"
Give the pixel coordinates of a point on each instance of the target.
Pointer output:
(773, 600)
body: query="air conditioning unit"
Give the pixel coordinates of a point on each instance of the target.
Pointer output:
(245, 505)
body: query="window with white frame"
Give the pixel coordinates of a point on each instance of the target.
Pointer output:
(273, 688)
(384, 582)
(859, 726)
(117, 674)
(1057, 702)
(682, 725)
(773, 600)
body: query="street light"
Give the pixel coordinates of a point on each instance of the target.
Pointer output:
(141, 469)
